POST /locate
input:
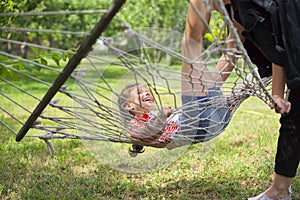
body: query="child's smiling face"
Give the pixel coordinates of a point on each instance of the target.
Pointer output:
(141, 100)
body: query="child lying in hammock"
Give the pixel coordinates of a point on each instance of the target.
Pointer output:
(205, 111)
(200, 118)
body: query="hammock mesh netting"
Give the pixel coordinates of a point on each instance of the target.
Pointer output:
(79, 88)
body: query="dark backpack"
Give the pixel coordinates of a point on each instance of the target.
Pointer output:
(264, 66)
(274, 27)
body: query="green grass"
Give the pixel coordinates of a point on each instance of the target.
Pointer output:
(237, 164)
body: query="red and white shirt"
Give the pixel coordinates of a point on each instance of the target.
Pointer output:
(148, 128)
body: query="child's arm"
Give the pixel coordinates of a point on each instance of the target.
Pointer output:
(278, 86)
(151, 129)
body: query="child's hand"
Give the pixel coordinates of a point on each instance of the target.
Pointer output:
(282, 106)
(168, 111)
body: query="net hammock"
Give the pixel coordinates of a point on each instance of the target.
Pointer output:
(86, 99)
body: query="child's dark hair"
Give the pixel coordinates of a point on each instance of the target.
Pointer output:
(136, 149)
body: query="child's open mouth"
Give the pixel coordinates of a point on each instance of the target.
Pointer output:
(148, 99)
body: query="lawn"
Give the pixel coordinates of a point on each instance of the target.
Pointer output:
(237, 164)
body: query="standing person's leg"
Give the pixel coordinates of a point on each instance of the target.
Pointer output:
(280, 188)
(288, 152)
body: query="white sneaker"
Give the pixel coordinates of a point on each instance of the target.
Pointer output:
(263, 196)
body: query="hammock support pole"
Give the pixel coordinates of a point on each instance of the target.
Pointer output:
(85, 47)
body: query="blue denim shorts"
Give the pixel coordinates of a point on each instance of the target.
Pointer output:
(204, 117)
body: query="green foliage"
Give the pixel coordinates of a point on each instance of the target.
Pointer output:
(163, 14)
(78, 22)
(44, 57)
(144, 13)
(166, 14)
(139, 14)
(49, 58)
